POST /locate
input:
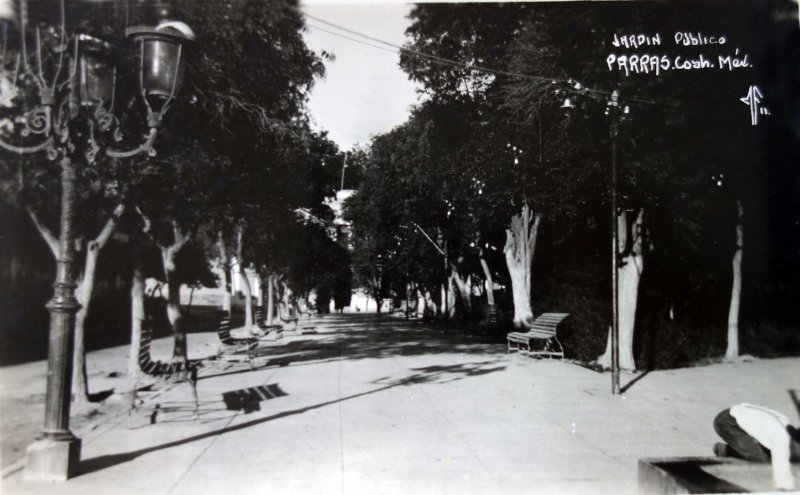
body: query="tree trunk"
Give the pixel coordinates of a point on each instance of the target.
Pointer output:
(271, 299)
(414, 294)
(463, 290)
(137, 317)
(630, 272)
(732, 350)
(83, 292)
(248, 301)
(489, 281)
(376, 292)
(429, 308)
(174, 313)
(258, 289)
(225, 266)
(286, 296)
(245, 284)
(519, 248)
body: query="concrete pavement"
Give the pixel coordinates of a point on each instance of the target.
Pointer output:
(366, 405)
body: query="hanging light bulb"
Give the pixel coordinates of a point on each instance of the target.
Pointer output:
(567, 104)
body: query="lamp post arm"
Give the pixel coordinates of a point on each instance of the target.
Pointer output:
(429, 238)
(146, 147)
(26, 150)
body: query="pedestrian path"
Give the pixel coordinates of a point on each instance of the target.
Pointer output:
(380, 405)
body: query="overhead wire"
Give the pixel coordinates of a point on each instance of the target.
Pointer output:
(394, 48)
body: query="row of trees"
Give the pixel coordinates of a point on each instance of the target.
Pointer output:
(238, 172)
(492, 182)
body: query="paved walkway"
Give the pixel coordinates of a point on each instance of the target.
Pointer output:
(383, 406)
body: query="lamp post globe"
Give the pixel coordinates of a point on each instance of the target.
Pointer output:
(161, 61)
(88, 84)
(95, 71)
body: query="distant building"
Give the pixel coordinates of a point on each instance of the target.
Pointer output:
(342, 228)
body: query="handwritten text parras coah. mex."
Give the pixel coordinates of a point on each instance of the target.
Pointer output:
(657, 63)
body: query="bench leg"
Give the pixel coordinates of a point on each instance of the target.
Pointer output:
(193, 383)
(560, 348)
(133, 396)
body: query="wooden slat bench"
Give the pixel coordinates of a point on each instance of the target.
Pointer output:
(544, 329)
(235, 348)
(269, 333)
(286, 316)
(172, 372)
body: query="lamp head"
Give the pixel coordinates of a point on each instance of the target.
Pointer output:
(161, 52)
(95, 71)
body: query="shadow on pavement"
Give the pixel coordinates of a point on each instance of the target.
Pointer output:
(249, 399)
(354, 337)
(631, 383)
(431, 374)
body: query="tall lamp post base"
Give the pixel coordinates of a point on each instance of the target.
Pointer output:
(53, 458)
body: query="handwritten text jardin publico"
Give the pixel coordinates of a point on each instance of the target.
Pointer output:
(641, 63)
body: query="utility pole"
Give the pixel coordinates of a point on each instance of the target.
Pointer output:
(615, 389)
(344, 166)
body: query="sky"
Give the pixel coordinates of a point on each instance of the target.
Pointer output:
(364, 92)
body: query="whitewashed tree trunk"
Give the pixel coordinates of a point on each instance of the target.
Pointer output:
(429, 306)
(225, 263)
(461, 286)
(629, 272)
(519, 248)
(451, 297)
(271, 299)
(259, 289)
(168, 254)
(174, 313)
(489, 281)
(137, 317)
(732, 350)
(443, 299)
(245, 285)
(286, 297)
(83, 293)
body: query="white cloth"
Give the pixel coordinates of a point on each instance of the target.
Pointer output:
(768, 427)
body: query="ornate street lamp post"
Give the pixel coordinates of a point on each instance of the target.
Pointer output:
(617, 114)
(71, 80)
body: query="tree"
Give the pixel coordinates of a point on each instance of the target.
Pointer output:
(170, 220)
(504, 61)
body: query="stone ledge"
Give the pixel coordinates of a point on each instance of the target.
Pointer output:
(706, 475)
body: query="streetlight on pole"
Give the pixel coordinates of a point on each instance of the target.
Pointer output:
(617, 114)
(612, 106)
(72, 85)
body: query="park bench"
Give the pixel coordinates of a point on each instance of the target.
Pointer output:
(543, 329)
(172, 372)
(285, 316)
(235, 348)
(267, 332)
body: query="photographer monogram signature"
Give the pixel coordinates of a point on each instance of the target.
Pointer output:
(754, 99)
